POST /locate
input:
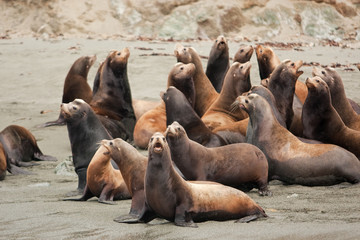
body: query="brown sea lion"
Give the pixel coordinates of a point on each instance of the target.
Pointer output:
(112, 94)
(85, 131)
(21, 147)
(103, 180)
(3, 163)
(282, 85)
(243, 54)
(338, 96)
(178, 109)
(236, 82)
(76, 85)
(218, 62)
(322, 122)
(205, 92)
(142, 106)
(291, 160)
(241, 165)
(180, 76)
(169, 196)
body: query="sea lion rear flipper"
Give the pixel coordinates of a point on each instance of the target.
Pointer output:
(41, 157)
(247, 219)
(13, 169)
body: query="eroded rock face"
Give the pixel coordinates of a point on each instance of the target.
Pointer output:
(183, 19)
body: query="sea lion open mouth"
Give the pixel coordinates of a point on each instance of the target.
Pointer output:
(158, 147)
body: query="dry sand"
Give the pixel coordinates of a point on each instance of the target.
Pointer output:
(31, 207)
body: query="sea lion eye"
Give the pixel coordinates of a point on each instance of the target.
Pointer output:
(182, 68)
(111, 143)
(317, 80)
(323, 72)
(164, 139)
(74, 108)
(242, 50)
(241, 67)
(119, 53)
(216, 40)
(151, 139)
(292, 64)
(178, 128)
(246, 101)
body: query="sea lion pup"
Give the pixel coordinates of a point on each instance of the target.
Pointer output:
(180, 76)
(75, 85)
(21, 146)
(85, 131)
(322, 122)
(103, 180)
(205, 92)
(178, 109)
(112, 93)
(236, 82)
(291, 160)
(338, 97)
(218, 62)
(282, 86)
(241, 165)
(171, 197)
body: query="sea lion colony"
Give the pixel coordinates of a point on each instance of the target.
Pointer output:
(284, 130)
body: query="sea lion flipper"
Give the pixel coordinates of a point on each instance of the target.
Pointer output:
(87, 194)
(41, 157)
(13, 169)
(247, 219)
(183, 218)
(129, 218)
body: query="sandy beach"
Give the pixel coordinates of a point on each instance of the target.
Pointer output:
(31, 207)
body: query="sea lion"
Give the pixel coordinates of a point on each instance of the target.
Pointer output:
(76, 85)
(291, 160)
(243, 54)
(236, 82)
(205, 92)
(282, 86)
(3, 163)
(184, 203)
(338, 96)
(218, 62)
(322, 122)
(112, 93)
(178, 109)
(241, 165)
(21, 147)
(180, 76)
(142, 106)
(103, 180)
(85, 131)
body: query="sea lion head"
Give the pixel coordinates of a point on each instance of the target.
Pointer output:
(76, 109)
(316, 84)
(293, 67)
(157, 143)
(118, 58)
(175, 131)
(221, 43)
(182, 71)
(183, 54)
(327, 74)
(244, 53)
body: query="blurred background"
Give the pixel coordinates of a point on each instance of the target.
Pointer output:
(258, 20)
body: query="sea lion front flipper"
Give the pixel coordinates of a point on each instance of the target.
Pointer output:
(103, 196)
(41, 157)
(87, 194)
(129, 218)
(183, 218)
(247, 219)
(13, 169)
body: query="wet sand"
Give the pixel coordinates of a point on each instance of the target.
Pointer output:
(31, 207)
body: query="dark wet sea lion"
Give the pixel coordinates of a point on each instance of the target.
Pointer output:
(322, 122)
(282, 85)
(243, 54)
(205, 92)
(103, 180)
(291, 160)
(85, 131)
(218, 62)
(112, 93)
(181, 77)
(169, 196)
(76, 85)
(178, 109)
(338, 97)
(236, 82)
(241, 165)
(21, 146)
